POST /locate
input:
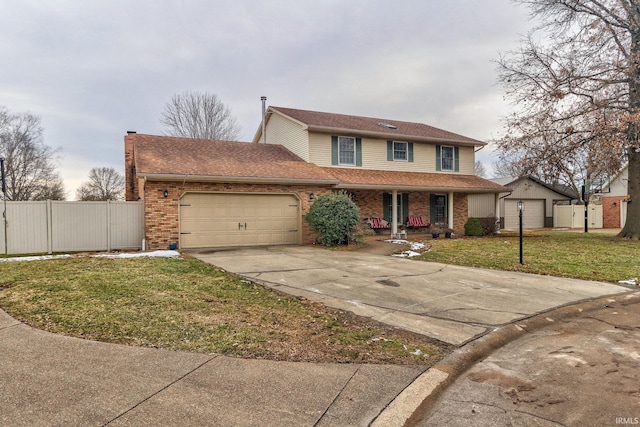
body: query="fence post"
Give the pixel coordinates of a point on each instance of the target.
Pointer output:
(49, 216)
(108, 225)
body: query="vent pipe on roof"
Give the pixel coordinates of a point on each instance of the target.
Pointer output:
(129, 132)
(264, 116)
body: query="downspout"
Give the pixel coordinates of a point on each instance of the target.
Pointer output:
(498, 212)
(144, 210)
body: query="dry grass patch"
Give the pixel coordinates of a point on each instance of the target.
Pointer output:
(588, 256)
(185, 304)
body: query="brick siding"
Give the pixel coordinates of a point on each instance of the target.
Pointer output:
(371, 205)
(611, 211)
(161, 215)
(162, 220)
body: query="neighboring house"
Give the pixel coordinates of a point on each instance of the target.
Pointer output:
(615, 196)
(205, 193)
(538, 197)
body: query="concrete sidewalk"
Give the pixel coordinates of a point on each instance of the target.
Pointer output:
(451, 303)
(48, 379)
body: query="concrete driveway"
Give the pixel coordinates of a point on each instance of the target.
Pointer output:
(450, 303)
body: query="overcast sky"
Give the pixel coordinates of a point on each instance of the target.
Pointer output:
(93, 69)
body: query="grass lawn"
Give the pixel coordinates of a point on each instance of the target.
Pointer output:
(185, 304)
(590, 256)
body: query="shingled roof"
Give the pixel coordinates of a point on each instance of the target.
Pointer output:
(368, 126)
(164, 157)
(412, 181)
(170, 158)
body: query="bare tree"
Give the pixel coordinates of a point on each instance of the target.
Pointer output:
(479, 169)
(104, 184)
(503, 169)
(30, 164)
(199, 115)
(575, 83)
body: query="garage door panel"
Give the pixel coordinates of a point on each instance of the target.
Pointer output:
(532, 217)
(210, 220)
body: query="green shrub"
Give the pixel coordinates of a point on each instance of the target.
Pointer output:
(333, 216)
(473, 227)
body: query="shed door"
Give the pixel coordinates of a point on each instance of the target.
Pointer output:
(218, 220)
(532, 217)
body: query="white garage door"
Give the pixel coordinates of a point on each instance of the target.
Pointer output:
(532, 217)
(216, 220)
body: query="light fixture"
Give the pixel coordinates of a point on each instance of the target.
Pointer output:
(166, 193)
(312, 196)
(520, 206)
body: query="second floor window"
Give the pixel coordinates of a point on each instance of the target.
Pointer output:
(347, 150)
(447, 158)
(400, 151)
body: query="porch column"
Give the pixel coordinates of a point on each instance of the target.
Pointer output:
(497, 199)
(450, 211)
(394, 213)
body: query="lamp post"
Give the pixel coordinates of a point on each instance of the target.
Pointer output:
(520, 210)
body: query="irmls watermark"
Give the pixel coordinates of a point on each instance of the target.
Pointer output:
(629, 421)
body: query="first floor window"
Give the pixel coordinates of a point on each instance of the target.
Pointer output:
(346, 150)
(447, 158)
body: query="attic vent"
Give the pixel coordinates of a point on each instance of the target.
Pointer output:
(387, 125)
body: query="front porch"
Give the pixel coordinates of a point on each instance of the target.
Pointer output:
(441, 209)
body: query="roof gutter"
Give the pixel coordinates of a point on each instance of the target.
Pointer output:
(419, 188)
(384, 135)
(235, 179)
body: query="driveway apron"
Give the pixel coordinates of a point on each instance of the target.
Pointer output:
(451, 303)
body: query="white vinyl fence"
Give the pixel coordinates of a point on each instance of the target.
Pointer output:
(572, 216)
(59, 226)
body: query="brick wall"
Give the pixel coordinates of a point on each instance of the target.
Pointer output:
(611, 211)
(370, 204)
(161, 215)
(162, 221)
(460, 212)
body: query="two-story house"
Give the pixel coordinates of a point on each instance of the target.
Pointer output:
(205, 193)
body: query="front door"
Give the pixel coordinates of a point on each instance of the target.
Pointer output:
(438, 209)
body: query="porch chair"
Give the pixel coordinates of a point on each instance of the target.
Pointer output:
(417, 222)
(378, 224)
